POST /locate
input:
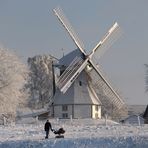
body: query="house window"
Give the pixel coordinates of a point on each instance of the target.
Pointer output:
(64, 108)
(65, 115)
(80, 83)
(96, 108)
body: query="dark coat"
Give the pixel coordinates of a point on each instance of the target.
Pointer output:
(47, 126)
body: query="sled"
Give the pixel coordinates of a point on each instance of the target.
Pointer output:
(59, 136)
(59, 133)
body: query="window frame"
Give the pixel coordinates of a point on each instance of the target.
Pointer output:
(64, 107)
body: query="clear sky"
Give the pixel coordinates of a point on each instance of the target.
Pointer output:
(29, 27)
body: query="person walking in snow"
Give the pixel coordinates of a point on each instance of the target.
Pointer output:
(47, 127)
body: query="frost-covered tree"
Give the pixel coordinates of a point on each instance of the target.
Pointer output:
(12, 78)
(40, 82)
(146, 77)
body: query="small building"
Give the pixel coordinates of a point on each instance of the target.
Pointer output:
(134, 120)
(145, 115)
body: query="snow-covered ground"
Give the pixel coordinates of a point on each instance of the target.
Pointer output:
(80, 133)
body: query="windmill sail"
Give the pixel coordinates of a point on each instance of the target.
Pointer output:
(76, 66)
(105, 89)
(105, 43)
(71, 73)
(64, 21)
(79, 64)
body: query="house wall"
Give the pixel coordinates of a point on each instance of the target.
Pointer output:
(77, 111)
(82, 111)
(58, 111)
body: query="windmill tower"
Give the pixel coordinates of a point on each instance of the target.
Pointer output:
(81, 87)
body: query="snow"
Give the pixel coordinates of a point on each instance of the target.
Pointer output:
(84, 133)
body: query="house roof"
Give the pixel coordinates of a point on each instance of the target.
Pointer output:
(68, 58)
(145, 115)
(133, 119)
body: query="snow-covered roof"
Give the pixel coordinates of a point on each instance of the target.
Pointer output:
(67, 59)
(134, 119)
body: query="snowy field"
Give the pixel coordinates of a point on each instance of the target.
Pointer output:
(80, 133)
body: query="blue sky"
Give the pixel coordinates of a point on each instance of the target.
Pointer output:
(29, 27)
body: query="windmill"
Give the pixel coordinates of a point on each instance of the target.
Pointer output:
(81, 87)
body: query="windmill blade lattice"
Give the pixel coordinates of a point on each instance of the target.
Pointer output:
(70, 74)
(62, 18)
(108, 40)
(105, 90)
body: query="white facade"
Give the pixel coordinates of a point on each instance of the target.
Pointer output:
(80, 101)
(77, 111)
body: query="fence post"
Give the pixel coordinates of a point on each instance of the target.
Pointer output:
(57, 120)
(139, 121)
(4, 120)
(36, 119)
(105, 119)
(71, 118)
